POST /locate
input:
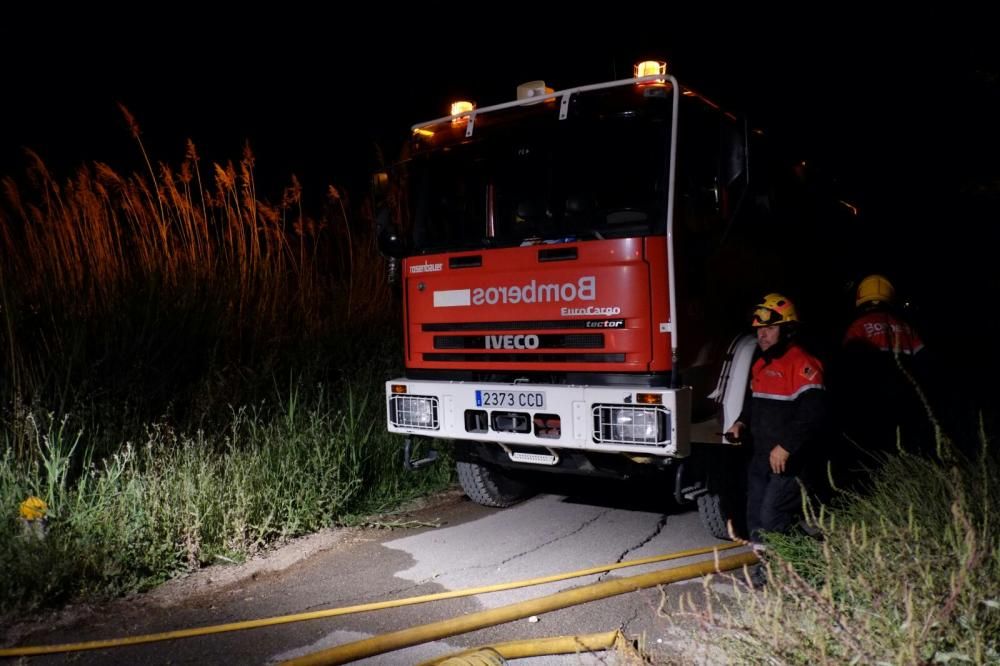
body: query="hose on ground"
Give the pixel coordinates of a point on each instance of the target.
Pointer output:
(433, 631)
(346, 610)
(483, 657)
(534, 647)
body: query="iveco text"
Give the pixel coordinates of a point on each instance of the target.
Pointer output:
(512, 342)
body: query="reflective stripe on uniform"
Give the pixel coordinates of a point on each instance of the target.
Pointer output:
(793, 396)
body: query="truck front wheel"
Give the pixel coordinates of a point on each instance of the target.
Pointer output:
(490, 486)
(711, 510)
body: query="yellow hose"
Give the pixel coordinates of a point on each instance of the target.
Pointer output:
(484, 657)
(459, 625)
(537, 647)
(347, 610)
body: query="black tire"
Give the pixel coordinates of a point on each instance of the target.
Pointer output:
(490, 486)
(711, 510)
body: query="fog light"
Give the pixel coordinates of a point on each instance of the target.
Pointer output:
(511, 422)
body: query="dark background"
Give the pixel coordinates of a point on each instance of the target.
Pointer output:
(901, 112)
(881, 104)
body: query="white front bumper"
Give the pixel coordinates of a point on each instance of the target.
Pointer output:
(583, 412)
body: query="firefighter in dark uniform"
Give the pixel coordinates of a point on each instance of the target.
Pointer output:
(883, 373)
(877, 327)
(785, 415)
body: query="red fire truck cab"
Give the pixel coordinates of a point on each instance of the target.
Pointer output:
(576, 266)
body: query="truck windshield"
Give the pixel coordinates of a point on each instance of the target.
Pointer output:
(542, 179)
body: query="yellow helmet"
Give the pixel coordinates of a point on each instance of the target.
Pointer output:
(875, 289)
(775, 309)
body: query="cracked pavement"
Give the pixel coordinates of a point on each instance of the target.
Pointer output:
(475, 546)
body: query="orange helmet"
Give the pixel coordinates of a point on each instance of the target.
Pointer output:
(875, 289)
(775, 309)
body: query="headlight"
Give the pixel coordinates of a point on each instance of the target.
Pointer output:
(635, 425)
(623, 424)
(413, 411)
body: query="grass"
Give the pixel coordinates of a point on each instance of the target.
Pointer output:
(190, 373)
(176, 501)
(908, 573)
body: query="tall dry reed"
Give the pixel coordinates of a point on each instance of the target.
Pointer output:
(168, 282)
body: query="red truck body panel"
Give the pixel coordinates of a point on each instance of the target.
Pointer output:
(592, 306)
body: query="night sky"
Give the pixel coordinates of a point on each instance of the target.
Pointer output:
(859, 98)
(901, 112)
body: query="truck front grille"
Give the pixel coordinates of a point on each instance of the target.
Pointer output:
(566, 341)
(545, 324)
(522, 357)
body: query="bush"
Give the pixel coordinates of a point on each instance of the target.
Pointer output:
(908, 572)
(177, 501)
(182, 298)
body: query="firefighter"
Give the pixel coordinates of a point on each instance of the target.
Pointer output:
(784, 415)
(877, 327)
(882, 374)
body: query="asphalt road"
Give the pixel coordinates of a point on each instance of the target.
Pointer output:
(472, 546)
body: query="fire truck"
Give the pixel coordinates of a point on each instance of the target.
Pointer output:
(577, 272)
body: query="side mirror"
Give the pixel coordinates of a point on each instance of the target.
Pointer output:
(390, 241)
(735, 174)
(391, 244)
(380, 187)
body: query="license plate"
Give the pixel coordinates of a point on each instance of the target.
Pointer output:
(511, 399)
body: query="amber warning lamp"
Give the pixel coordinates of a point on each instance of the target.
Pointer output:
(461, 106)
(652, 68)
(649, 398)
